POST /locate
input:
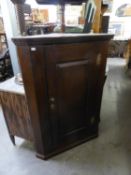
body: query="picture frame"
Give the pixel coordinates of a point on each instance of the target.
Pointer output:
(116, 28)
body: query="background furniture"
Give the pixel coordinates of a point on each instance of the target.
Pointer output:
(3, 41)
(94, 23)
(15, 110)
(118, 48)
(63, 76)
(6, 70)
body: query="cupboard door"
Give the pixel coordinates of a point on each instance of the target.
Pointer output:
(68, 105)
(69, 86)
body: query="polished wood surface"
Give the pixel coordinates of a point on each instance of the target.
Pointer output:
(63, 78)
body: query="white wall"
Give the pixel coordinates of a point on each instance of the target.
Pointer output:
(11, 29)
(118, 3)
(125, 21)
(51, 8)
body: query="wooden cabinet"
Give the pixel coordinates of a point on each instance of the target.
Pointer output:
(15, 110)
(63, 77)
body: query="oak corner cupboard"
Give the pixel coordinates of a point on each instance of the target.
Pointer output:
(63, 77)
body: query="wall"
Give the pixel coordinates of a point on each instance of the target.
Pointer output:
(125, 21)
(51, 8)
(11, 30)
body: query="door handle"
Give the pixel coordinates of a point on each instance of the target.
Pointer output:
(52, 103)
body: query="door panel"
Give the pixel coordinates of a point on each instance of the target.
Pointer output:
(72, 90)
(72, 95)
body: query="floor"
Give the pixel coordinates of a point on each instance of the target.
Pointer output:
(109, 154)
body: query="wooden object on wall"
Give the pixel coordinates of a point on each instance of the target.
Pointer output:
(63, 76)
(15, 111)
(97, 18)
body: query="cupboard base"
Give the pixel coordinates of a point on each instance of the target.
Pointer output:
(64, 148)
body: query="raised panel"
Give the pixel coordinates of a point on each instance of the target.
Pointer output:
(72, 89)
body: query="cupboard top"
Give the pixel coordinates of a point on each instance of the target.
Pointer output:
(50, 39)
